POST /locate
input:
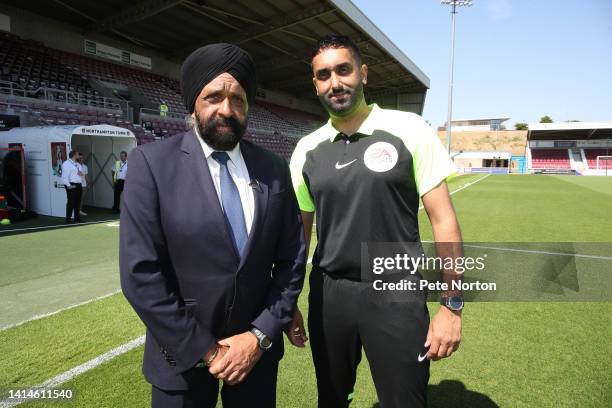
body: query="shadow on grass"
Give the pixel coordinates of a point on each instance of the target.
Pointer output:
(42, 222)
(451, 393)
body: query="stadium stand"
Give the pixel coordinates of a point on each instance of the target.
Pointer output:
(55, 87)
(591, 156)
(279, 144)
(550, 159)
(570, 147)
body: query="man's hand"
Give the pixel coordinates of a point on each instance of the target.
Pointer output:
(296, 334)
(241, 354)
(444, 334)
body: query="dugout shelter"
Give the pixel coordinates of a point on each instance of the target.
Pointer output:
(46, 147)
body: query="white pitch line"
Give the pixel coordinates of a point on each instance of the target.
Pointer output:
(78, 370)
(54, 226)
(534, 251)
(41, 316)
(464, 187)
(469, 184)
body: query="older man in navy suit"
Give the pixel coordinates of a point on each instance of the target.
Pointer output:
(212, 252)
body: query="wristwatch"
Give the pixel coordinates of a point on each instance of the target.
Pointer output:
(264, 341)
(454, 303)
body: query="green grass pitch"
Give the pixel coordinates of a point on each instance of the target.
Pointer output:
(513, 354)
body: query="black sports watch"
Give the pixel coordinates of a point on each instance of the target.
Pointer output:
(454, 303)
(264, 341)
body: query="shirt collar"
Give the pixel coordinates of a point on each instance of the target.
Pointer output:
(233, 154)
(367, 127)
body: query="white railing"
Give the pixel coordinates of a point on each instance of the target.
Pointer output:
(63, 96)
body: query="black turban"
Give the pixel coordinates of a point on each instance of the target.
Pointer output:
(208, 62)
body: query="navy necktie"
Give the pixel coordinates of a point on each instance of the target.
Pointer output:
(232, 206)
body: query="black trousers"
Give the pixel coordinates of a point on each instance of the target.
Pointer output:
(73, 201)
(118, 190)
(345, 316)
(257, 390)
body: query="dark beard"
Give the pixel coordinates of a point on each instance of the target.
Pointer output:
(348, 106)
(225, 140)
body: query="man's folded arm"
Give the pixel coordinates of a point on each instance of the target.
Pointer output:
(289, 269)
(142, 250)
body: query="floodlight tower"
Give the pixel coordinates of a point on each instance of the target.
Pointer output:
(454, 4)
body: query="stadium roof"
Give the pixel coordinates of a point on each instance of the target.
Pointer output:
(570, 131)
(481, 155)
(503, 119)
(278, 33)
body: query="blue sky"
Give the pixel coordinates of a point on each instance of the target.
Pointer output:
(521, 59)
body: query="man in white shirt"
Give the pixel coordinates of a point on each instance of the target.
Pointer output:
(72, 179)
(119, 172)
(85, 179)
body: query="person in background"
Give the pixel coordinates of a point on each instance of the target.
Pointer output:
(163, 109)
(119, 171)
(85, 180)
(72, 178)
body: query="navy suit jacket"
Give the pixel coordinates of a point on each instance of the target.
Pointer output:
(179, 269)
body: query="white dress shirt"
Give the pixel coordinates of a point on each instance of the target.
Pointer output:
(83, 169)
(70, 173)
(240, 174)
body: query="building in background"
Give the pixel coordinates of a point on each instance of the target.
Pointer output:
(475, 125)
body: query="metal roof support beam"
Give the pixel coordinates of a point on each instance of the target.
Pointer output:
(225, 23)
(133, 13)
(277, 23)
(591, 133)
(298, 56)
(386, 79)
(396, 90)
(303, 81)
(138, 42)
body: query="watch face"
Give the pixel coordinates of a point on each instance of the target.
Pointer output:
(265, 343)
(455, 302)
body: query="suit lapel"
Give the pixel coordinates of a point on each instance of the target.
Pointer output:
(260, 196)
(198, 168)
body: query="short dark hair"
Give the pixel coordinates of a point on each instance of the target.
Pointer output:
(123, 152)
(336, 41)
(72, 153)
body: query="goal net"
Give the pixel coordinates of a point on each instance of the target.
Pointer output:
(604, 162)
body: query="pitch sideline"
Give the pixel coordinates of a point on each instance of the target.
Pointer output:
(78, 370)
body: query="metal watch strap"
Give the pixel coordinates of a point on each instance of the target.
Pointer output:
(261, 338)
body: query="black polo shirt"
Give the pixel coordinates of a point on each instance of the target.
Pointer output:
(366, 187)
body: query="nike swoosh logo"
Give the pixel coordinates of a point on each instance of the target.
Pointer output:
(422, 357)
(340, 166)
